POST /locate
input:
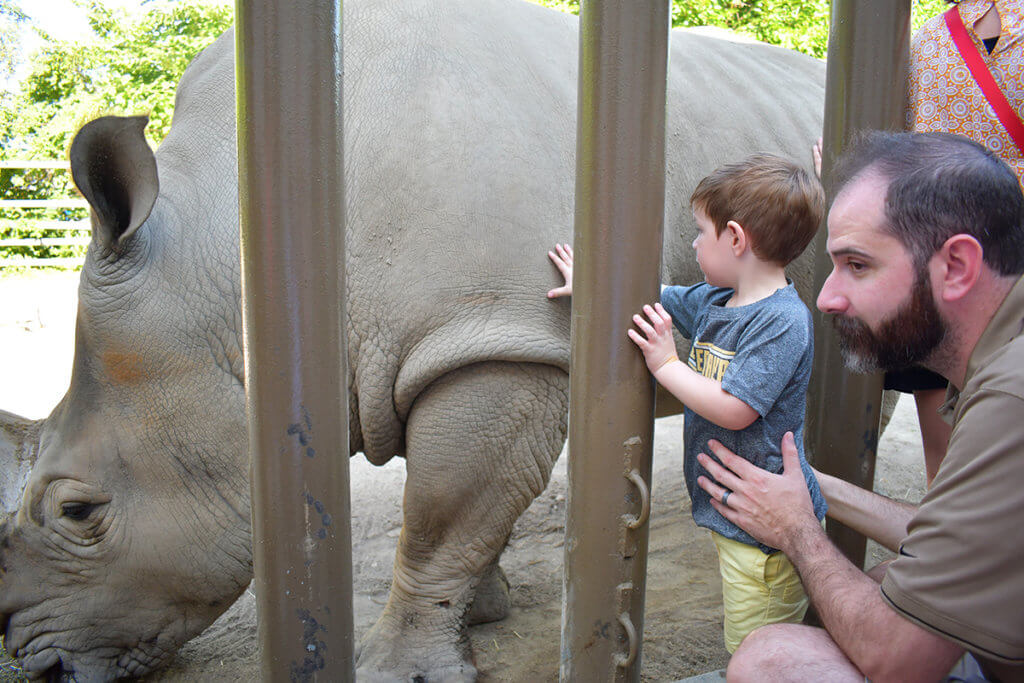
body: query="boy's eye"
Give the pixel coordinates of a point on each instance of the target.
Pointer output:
(856, 266)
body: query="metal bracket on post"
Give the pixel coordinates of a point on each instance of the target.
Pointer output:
(623, 602)
(630, 523)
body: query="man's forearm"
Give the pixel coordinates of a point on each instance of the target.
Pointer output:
(869, 632)
(877, 517)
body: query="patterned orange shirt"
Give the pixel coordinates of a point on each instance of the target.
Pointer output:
(943, 95)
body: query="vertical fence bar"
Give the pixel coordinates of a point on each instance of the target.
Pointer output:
(288, 81)
(620, 196)
(865, 88)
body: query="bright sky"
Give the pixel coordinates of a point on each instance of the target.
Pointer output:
(64, 20)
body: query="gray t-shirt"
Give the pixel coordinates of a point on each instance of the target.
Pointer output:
(761, 353)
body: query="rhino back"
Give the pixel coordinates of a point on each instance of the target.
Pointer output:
(729, 98)
(460, 160)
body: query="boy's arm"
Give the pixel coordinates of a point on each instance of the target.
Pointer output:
(704, 395)
(700, 394)
(562, 258)
(877, 517)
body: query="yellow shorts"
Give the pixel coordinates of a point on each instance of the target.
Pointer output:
(757, 589)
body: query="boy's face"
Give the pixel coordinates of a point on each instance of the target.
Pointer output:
(714, 252)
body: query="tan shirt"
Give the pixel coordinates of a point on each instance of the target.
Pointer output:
(960, 571)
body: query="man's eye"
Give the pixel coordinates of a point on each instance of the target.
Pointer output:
(76, 511)
(856, 266)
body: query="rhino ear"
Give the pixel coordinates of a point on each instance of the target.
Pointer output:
(19, 446)
(115, 171)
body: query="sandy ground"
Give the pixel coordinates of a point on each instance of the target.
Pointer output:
(683, 622)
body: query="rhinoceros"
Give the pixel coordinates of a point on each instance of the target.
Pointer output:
(132, 533)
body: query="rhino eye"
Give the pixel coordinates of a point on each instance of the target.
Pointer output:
(76, 511)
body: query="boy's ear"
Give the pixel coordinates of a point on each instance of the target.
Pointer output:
(737, 237)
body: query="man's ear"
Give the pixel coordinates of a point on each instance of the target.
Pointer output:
(957, 265)
(737, 237)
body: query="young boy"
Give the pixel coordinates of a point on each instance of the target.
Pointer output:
(745, 380)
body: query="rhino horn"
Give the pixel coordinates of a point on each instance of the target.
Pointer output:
(115, 171)
(19, 446)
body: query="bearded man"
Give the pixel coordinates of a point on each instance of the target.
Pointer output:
(926, 237)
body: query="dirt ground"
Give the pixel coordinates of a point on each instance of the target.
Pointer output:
(682, 634)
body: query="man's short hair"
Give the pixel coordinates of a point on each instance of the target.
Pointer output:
(778, 203)
(940, 185)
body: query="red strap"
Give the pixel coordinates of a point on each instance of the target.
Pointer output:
(976, 63)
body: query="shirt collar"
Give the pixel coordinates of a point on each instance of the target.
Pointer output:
(973, 10)
(1011, 14)
(1007, 323)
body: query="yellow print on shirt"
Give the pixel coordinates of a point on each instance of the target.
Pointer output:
(709, 360)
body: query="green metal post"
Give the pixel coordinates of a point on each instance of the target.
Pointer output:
(288, 81)
(620, 196)
(865, 89)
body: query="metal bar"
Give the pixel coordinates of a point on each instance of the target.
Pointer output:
(45, 242)
(26, 223)
(289, 66)
(43, 204)
(14, 163)
(620, 196)
(42, 262)
(865, 88)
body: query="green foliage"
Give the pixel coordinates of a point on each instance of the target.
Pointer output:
(131, 66)
(796, 24)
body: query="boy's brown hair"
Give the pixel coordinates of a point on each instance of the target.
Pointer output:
(778, 204)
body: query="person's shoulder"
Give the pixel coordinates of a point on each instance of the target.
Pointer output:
(701, 291)
(931, 31)
(786, 304)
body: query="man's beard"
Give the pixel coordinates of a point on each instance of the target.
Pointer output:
(907, 338)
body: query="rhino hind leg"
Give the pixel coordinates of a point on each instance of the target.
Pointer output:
(480, 445)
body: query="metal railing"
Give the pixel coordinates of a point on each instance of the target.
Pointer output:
(68, 227)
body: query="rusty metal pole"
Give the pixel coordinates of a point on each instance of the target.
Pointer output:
(620, 197)
(288, 83)
(865, 88)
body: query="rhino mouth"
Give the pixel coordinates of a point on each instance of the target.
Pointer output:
(57, 674)
(43, 664)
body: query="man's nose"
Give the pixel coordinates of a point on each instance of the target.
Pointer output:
(830, 299)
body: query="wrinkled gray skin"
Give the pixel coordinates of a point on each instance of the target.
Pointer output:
(132, 534)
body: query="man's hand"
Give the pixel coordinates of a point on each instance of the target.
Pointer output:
(657, 343)
(773, 508)
(562, 258)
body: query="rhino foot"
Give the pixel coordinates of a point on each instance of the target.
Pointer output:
(414, 652)
(492, 601)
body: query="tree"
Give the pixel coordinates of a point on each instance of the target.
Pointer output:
(796, 24)
(131, 67)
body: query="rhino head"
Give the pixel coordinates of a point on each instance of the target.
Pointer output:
(131, 534)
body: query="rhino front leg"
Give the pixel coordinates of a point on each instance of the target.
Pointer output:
(480, 445)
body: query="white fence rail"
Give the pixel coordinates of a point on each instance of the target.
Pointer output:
(7, 226)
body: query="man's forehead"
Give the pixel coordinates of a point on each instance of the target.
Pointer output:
(857, 217)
